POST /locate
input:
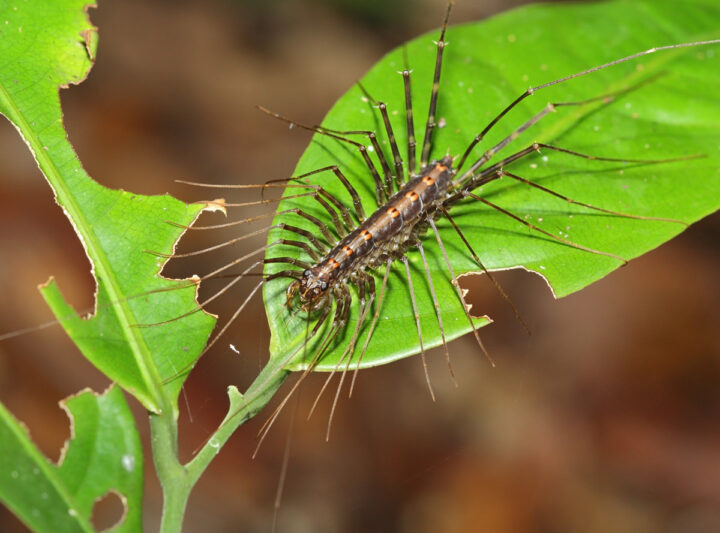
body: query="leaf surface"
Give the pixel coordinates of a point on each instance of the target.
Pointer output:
(666, 107)
(104, 454)
(43, 46)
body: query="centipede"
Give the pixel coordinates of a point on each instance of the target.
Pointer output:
(384, 204)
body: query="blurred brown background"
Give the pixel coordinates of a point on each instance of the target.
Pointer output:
(606, 419)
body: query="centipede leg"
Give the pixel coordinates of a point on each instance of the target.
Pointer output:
(357, 204)
(494, 281)
(347, 356)
(381, 192)
(438, 314)
(582, 204)
(265, 428)
(376, 146)
(547, 233)
(417, 324)
(430, 125)
(456, 284)
(344, 355)
(391, 139)
(409, 117)
(371, 329)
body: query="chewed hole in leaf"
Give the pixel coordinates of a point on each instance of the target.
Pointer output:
(108, 511)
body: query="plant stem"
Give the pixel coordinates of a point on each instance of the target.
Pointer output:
(177, 480)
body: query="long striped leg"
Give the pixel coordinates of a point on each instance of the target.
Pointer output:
(533, 90)
(214, 274)
(214, 247)
(550, 107)
(364, 308)
(417, 324)
(285, 463)
(320, 224)
(357, 204)
(409, 117)
(271, 200)
(339, 319)
(391, 138)
(376, 316)
(289, 260)
(318, 194)
(494, 171)
(582, 204)
(382, 194)
(376, 146)
(437, 310)
(547, 233)
(320, 247)
(485, 270)
(262, 433)
(470, 172)
(340, 226)
(293, 261)
(458, 290)
(430, 125)
(348, 351)
(209, 345)
(605, 99)
(234, 223)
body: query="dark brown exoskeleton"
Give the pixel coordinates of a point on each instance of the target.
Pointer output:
(366, 247)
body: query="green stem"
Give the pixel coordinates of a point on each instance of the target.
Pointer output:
(177, 480)
(170, 472)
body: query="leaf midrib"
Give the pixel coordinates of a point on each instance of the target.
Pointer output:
(98, 259)
(51, 473)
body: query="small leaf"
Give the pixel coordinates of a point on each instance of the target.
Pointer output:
(45, 45)
(103, 454)
(666, 107)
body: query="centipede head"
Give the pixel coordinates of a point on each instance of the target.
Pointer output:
(311, 289)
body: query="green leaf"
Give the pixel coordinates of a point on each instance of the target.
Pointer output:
(667, 108)
(104, 454)
(45, 45)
